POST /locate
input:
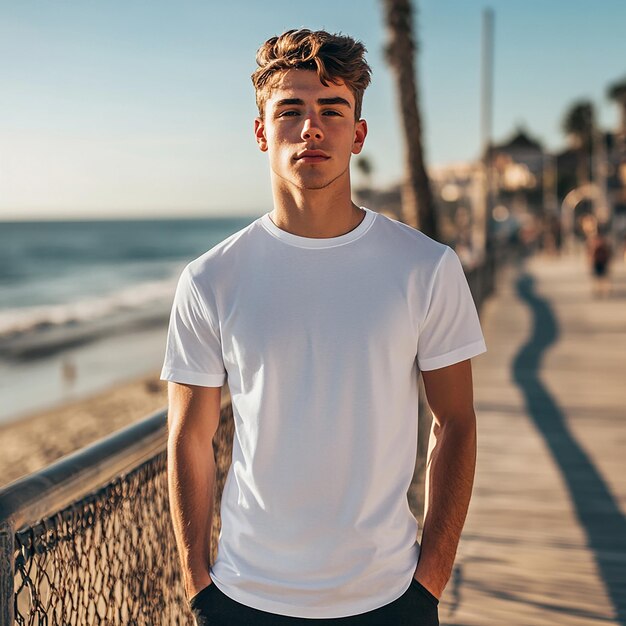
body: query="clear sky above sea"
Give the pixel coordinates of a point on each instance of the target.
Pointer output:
(145, 108)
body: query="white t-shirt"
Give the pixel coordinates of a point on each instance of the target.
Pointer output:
(321, 340)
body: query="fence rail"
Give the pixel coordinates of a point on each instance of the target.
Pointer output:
(89, 539)
(51, 523)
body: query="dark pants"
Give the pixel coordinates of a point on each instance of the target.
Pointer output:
(415, 607)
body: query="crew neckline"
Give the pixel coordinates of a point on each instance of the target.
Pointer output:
(324, 242)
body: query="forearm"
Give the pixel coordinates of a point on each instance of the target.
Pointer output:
(449, 480)
(191, 477)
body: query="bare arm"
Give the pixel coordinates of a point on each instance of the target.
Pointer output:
(449, 473)
(193, 418)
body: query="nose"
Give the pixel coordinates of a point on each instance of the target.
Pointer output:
(311, 129)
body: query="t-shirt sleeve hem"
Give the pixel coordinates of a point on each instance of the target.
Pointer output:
(460, 354)
(193, 378)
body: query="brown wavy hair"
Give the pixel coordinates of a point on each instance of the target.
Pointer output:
(332, 56)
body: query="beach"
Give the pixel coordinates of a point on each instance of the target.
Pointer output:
(36, 440)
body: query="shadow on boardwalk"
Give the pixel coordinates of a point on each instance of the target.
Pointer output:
(600, 517)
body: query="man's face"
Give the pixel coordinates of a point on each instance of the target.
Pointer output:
(309, 131)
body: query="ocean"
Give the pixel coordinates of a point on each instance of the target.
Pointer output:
(85, 304)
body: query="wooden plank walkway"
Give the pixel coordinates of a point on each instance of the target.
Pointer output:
(545, 538)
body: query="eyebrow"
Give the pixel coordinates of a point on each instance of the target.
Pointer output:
(322, 101)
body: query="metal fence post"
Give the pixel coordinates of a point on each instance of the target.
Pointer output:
(7, 554)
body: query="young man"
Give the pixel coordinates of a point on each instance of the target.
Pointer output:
(322, 315)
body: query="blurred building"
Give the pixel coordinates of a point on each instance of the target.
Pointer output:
(528, 188)
(603, 190)
(517, 173)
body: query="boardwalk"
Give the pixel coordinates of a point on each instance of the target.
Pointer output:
(545, 538)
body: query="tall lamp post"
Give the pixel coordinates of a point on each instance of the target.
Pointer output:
(486, 130)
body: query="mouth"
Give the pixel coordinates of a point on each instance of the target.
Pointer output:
(311, 156)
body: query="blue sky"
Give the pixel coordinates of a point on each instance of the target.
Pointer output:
(145, 108)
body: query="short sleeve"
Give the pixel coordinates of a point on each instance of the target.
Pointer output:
(193, 352)
(450, 331)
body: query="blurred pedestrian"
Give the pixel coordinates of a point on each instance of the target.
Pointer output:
(552, 235)
(68, 373)
(599, 252)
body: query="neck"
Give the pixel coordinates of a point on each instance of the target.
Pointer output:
(314, 213)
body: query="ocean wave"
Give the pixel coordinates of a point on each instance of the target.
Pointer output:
(33, 332)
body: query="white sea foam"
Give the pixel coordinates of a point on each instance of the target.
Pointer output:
(28, 332)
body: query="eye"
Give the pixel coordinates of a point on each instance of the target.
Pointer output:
(332, 112)
(290, 113)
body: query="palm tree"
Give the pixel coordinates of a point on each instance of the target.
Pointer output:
(579, 124)
(617, 92)
(418, 206)
(366, 167)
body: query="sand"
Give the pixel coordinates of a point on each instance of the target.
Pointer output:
(36, 440)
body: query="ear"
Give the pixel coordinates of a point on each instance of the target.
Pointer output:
(259, 134)
(360, 132)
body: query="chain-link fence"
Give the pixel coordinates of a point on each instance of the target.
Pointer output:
(89, 540)
(108, 559)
